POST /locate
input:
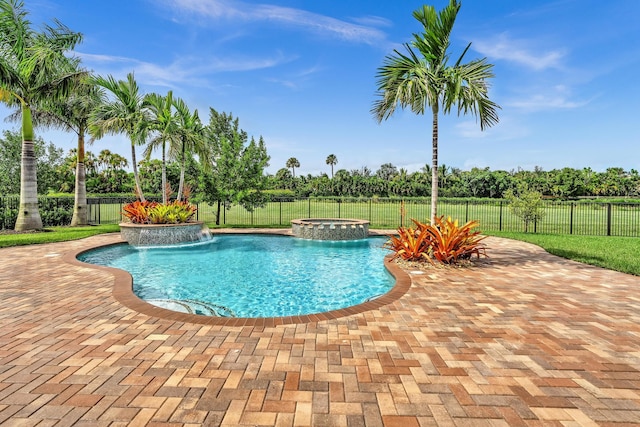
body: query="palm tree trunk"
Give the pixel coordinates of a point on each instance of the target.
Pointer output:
(183, 164)
(136, 177)
(80, 212)
(434, 167)
(164, 176)
(28, 214)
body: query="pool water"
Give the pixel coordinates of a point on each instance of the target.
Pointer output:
(254, 275)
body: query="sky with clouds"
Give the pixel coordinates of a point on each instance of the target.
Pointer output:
(302, 74)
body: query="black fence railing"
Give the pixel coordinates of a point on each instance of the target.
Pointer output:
(560, 217)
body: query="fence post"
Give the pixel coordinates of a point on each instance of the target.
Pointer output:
(500, 225)
(309, 207)
(571, 219)
(197, 211)
(280, 212)
(608, 219)
(370, 201)
(466, 212)
(339, 208)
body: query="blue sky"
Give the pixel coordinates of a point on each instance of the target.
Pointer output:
(302, 75)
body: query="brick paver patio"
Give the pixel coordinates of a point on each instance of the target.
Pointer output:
(527, 339)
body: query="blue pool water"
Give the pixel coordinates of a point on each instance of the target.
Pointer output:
(254, 275)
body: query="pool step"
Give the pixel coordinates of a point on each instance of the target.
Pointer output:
(193, 307)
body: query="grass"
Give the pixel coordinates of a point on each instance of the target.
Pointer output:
(560, 218)
(55, 234)
(613, 253)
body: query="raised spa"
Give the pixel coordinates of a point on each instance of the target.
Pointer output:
(330, 228)
(164, 234)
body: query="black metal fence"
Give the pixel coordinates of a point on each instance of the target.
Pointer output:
(560, 217)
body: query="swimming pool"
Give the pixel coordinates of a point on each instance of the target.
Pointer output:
(253, 275)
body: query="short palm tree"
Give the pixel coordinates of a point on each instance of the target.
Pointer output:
(191, 139)
(422, 79)
(162, 125)
(123, 113)
(33, 68)
(332, 160)
(293, 163)
(72, 115)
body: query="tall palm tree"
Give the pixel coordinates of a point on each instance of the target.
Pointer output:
(191, 139)
(72, 115)
(163, 126)
(332, 160)
(33, 68)
(123, 113)
(293, 163)
(422, 79)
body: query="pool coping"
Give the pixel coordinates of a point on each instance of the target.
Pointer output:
(123, 291)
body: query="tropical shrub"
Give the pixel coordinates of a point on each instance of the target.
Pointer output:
(175, 212)
(411, 244)
(526, 205)
(138, 212)
(445, 241)
(451, 242)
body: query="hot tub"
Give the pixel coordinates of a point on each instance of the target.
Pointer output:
(330, 228)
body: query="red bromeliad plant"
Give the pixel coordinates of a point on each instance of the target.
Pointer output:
(451, 242)
(410, 244)
(445, 242)
(138, 212)
(176, 212)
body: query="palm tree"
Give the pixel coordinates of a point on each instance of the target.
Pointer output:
(422, 78)
(124, 113)
(32, 68)
(162, 123)
(293, 163)
(72, 115)
(191, 139)
(332, 160)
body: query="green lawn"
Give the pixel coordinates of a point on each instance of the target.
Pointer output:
(560, 218)
(55, 234)
(614, 253)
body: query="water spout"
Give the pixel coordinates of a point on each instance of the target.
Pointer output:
(205, 234)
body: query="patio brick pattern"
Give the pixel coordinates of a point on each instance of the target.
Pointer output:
(523, 339)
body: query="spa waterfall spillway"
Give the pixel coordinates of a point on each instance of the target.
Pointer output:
(164, 234)
(330, 228)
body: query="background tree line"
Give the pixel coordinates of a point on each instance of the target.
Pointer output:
(390, 181)
(109, 173)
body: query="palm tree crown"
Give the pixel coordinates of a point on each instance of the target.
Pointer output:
(332, 160)
(123, 113)
(293, 163)
(422, 79)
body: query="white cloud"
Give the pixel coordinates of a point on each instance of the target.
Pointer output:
(545, 102)
(235, 10)
(518, 51)
(509, 128)
(184, 69)
(558, 97)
